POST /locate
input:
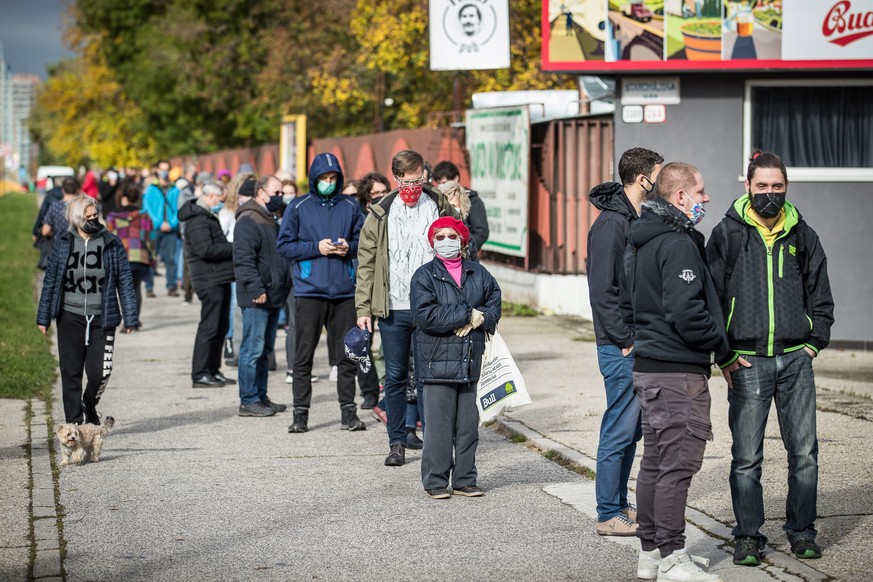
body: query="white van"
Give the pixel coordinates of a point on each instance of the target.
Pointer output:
(44, 172)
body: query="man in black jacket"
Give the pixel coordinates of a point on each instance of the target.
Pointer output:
(210, 262)
(477, 219)
(671, 301)
(619, 206)
(770, 272)
(263, 281)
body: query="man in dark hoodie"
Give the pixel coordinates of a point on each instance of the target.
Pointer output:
(619, 206)
(477, 219)
(263, 281)
(210, 262)
(320, 233)
(670, 299)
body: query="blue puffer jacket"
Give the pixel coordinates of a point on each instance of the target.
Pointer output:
(312, 218)
(118, 283)
(439, 307)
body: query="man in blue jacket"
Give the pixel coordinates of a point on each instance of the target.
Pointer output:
(263, 281)
(159, 202)
(619, 206)
(320, 233)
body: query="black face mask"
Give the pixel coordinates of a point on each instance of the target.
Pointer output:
(92, 226)
(768, 204)
(275, 203)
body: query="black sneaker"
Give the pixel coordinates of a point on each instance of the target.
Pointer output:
(301, 421)
(91, 416)
(469, 491)
(370, 401)
(806, 549)
(747, 552)
(412, 440)
(396, 457)
(277, 407)
(256, 409)
(350, 420)
(441, 493)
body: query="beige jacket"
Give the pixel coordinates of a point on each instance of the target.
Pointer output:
(371, 292)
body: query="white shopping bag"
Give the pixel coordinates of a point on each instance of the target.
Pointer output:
(501, 385)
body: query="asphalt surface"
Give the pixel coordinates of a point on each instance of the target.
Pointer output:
(187, 490)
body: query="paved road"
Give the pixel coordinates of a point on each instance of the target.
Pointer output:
(189, 491)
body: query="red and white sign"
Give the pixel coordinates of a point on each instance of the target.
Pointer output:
(655, 113)
(833, 29)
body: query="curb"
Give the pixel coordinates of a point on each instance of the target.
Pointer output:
(45, 532)
(776, 563)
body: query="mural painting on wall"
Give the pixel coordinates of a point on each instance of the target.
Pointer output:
(635, 30)
(576, 30)
(693, 29)
(753, 30)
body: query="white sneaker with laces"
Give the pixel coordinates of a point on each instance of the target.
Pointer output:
(647, 566)
(680, 567)
(333, 373)
(289, 377)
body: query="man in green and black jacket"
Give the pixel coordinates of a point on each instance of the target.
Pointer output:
(770, 273)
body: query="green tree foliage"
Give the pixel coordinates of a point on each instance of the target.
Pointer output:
(203, 75)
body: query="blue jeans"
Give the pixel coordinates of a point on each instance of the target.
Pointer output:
(620, 430)
(788, 379)
(233, 305)
(166, 247)
(396, 333)
(259, 337)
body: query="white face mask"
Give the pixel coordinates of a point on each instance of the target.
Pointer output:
(447, 248)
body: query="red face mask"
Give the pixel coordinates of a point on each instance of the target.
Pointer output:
(410, 193)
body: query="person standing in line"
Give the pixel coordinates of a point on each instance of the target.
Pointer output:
(134, 227)
(87, 275)
(620, 429)
(394, 244)
(210, 261)
(771, 276)
(669, 297)
(263, 280)
(55, 222)
(160, 202)
(320, 234)
(455, 302)
(476, 218)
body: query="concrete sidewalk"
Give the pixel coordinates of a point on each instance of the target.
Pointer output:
(187, 490)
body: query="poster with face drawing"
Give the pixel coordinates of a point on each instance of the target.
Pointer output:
(469, 34)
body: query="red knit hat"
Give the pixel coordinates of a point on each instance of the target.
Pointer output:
(448, 222)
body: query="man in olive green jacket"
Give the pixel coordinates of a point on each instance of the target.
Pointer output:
(392, 245)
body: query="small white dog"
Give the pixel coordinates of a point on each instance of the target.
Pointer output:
(81, 442)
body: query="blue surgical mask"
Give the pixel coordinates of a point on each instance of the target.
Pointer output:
(326, 188)
(217, 208)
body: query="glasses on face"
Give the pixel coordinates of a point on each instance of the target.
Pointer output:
(446, 236)
(411, 182)
(378, 192)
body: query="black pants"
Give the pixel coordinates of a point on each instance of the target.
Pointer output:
(311, 315)
(76, 358)
(209, 342)
(140, 273)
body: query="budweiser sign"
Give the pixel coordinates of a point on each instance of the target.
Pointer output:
(842, 26)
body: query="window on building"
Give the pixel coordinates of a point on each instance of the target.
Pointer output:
(823, 130)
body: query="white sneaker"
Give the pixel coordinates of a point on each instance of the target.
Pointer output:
(679, 567)
(333, 373)
(289, 377)
(647, 567)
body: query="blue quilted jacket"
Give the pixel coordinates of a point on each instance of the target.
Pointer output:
(118, 283)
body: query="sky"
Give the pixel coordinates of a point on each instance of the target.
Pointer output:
(30, 31)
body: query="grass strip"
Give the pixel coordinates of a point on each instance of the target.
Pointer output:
(27, 368)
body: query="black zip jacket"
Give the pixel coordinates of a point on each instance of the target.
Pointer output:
(768, 306)
(257, 265)
(209, 255)
(439, 307)
(670, 296)
(477, 219)
(607, 239)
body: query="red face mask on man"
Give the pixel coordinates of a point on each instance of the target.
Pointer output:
(410, 191)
